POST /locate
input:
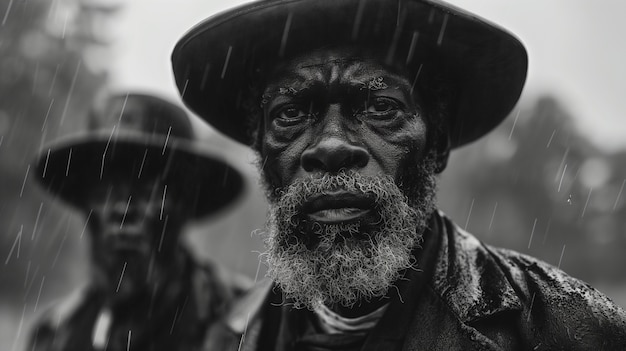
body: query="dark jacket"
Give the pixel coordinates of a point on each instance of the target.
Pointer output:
(468, 296)
(176, 319)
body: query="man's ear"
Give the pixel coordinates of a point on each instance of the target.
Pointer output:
(442, 147)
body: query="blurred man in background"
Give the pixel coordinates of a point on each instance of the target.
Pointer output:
(353, 107)
(138, 177)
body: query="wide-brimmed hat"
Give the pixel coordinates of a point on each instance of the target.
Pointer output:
(134, 138)
(216, 63)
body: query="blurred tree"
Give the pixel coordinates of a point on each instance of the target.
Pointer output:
(47, 82)
(536, 185)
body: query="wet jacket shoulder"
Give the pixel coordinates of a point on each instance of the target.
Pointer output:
(562, 312)
(520, 302)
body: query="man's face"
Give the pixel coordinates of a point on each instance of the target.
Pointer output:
(134, 231)
(350, 180)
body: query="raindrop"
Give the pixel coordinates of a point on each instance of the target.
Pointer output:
(27, 271)
(45, 120)
(17, 242)
(230, 50)
(225, 178)
(43, 279)
(419, 70)
(163, 202)
(69, 159)
(54, 79)
(70, 93)
(561, 258)
(120, 281)
(36, 222)
(32, 280)
(174, 321)
(409, 56)
(532, 233)
(545, 234)
(357, 19)
(56, 257)
(119, 120)
(619, 194)
(468, 215)
(143, 161)
(586, 203)
(6, 14)
(125, 211)
(514, 124)
(67, 16)
(24, 182)
(556, 177)
(551, 137)
(86, 222)
(167, 138)
(45, 166)
(106, 148)
(163, 233)
(561, 182)
(493, 215)
(443, 29)
(182, 94)
(283, 41)
(19, 329)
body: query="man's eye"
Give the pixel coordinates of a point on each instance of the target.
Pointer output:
(381, 105)
(289, 115)
(291, 112)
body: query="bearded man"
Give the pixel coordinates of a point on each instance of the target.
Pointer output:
(353, 107)
(138, 177)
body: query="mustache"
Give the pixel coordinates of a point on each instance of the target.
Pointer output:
(302, 191)
(348, 187)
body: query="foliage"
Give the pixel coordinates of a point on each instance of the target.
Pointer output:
(538, 186)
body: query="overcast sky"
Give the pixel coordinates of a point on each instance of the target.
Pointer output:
(576, 49)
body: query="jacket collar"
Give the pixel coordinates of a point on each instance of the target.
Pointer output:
(468, 277)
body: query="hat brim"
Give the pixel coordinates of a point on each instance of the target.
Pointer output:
(485, 65)
(71, 168)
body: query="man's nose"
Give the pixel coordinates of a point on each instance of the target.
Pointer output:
(333, 152)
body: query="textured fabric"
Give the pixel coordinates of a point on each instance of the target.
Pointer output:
(333, 323)
(472, 297)
(175, 322)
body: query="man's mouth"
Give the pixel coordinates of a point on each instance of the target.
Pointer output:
(338, 207)
(127, 242)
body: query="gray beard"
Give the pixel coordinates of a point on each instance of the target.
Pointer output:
(348, 263)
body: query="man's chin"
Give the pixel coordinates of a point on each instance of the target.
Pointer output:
(327, 235)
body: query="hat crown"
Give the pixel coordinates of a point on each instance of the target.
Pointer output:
(141, 115)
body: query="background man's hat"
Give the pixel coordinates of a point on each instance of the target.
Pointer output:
(216, 62)
(136, 137)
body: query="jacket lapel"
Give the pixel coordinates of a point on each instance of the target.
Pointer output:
(467, 286)
(242, 325)
(468, 278)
